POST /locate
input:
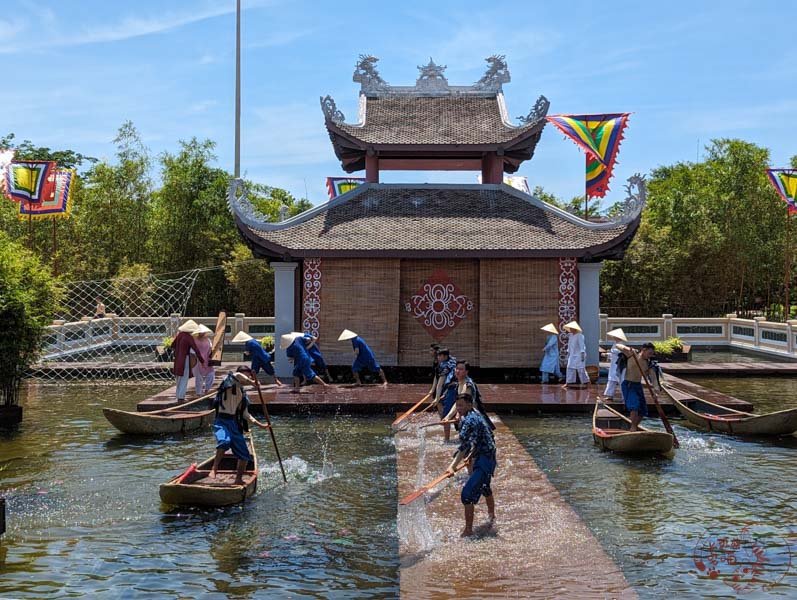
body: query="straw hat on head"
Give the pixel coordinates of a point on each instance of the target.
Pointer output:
(202, 330)
(241, 337)
(617, 334)
(346, 335)
(550, 328)
(287, 339)
(189, 326)
(572, 325)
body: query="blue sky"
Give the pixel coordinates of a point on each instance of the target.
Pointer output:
(689, 71)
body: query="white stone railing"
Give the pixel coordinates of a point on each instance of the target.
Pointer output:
(66, 338)
(752, 334)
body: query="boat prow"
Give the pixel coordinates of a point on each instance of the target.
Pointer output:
(177, 419)
(194, 487)
(612, 431)
(714, 417)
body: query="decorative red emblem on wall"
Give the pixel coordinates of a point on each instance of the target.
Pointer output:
(439, 306)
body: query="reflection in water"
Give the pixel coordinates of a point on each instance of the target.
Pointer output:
(85, 517)
(650, 514)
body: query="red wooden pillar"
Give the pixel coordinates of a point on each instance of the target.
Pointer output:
(371, 168)
(492, 168)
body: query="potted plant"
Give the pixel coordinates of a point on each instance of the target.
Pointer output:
(164, 352)
(673, 350)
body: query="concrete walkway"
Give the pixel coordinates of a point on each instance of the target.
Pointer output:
(538, 548)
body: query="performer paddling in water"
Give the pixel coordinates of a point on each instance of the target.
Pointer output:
(478, 446)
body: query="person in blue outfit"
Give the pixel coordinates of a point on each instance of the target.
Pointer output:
(260, 357)
(232, 410)
(550, 354)
(311, 345)
(293, 344)
(463, 384)
(364, 358)
(446, 364)
(639, 367)
(477, 445)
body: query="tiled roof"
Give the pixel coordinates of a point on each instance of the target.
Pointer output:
(422, 220)
(450, 119)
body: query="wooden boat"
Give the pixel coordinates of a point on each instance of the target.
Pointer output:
(611, 431)
(193, 487)
(177, 419)
(714, 417)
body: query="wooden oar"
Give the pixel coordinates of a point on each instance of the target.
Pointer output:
(443, 422)
(427, 407)
(422, 490)
(412, 410)
(270, 428)
(664, 420)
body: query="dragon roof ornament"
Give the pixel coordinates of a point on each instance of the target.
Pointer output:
(431, 81)
(635, 200)
(331, 112)
(537, 112)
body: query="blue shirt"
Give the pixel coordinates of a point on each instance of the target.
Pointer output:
(302, 363)
(260, 358)
(365, 356)
(475, 435)
(446, 369)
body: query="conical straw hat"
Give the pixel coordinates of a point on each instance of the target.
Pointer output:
(346, 335)
(550, 328)
(241, 337)
(202, 329)
(617, 334)
(287, 339)
(189, 326)
(573, 325)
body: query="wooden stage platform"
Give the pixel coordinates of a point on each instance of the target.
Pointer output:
(506, 398)
(537, 548)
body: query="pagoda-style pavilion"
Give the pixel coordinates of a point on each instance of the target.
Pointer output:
(477, 268)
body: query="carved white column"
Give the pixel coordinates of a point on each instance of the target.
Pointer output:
(589, 307)
(284, 311)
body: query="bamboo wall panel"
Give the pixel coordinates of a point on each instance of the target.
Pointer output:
(463, 339)
(361, 295)
(518, 296)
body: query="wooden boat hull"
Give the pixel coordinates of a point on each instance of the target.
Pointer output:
(714, 417)
(199, 490)
(177, 419)
(610, 431)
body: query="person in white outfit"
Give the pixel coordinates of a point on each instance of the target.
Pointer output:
(576, 357)
(615, 376)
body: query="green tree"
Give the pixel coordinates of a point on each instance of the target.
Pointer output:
(28, 300)
(252, 280)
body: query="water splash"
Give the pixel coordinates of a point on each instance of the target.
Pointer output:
(299, 470)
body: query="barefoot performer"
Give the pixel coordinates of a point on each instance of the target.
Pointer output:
(261, 358)
(476, 441)
(364, 358)
(633, 393)
(182, 345)
(311, 345)
(294, 348)
(232, 407)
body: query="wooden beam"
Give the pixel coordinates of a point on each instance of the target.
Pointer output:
(217, 349)
(430, 164)
(371, 169)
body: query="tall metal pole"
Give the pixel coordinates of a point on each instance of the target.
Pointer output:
(238, 89)
(787, 307)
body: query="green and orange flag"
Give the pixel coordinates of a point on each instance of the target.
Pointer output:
(599, 136)
(785, 182)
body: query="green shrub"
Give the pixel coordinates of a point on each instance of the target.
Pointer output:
(669, 346)
(267, 341)
(167, 342)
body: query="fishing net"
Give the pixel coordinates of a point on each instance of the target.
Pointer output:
(115, 328)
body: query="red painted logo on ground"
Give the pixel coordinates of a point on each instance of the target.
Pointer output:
(439, 306)
(747, 561)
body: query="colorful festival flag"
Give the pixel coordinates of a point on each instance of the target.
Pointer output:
(785, 182)
(340, 185)
(31, 181)
(61, 203)
(599, 136)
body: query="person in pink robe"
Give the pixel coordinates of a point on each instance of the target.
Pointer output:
(204, 373)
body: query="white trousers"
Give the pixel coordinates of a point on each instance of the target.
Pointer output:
(203, 382)
(611, 387)
(574, 374)
(182, 381)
